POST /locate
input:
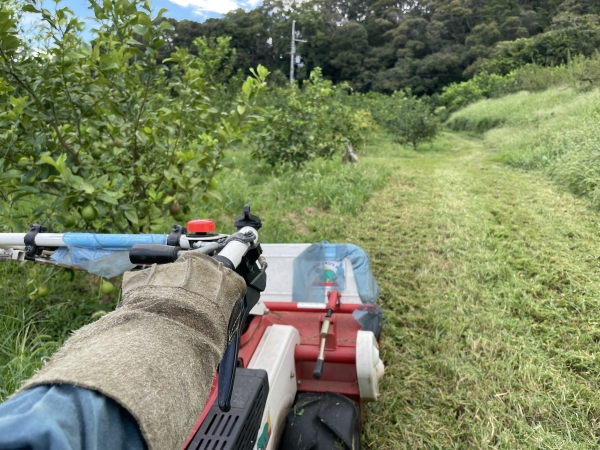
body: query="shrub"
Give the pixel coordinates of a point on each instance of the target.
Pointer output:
(313, 122)
(459, 95)
(416, 122)
(578, 72)
(106, 131)
(408, 118)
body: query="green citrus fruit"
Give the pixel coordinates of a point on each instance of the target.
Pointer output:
(175, 209)
(97, 153)
(89, 213)
(69, 221)
(24, 162)
(107, 287)
(118, 143)
(43, 291)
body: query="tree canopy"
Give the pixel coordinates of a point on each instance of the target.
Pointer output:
(390, 45)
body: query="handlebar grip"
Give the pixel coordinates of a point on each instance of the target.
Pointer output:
(318, 370)
(147, 254)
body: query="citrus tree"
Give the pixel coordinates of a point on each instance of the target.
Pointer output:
(101, 134)
(301, 124)
(409, 119)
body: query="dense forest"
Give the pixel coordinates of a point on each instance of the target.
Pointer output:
(388, 45)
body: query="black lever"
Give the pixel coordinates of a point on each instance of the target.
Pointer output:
(248, 220)
(229, 362)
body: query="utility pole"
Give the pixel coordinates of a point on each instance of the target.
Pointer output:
(293, 53)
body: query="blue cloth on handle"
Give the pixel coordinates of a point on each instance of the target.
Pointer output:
(308, 279)
(66, 417)
(105, 255)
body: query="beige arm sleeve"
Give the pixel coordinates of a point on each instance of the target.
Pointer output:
(156, 354)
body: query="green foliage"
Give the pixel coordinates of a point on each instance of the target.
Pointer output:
(390, 46)
(32, 327)
(308, 204)
(484, 85)
(408, 119)
(105, 125)
(579, 72)
(416, 123)
(302, 124)
(569, 36)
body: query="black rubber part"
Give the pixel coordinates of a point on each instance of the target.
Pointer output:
(239, 428)
(322, 422)
(225, 261)
(147, 254)
(318, 370)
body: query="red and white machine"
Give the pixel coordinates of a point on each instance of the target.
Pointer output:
(305, 348)
(299, 374)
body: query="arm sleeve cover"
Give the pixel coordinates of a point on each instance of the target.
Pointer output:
(66, 417)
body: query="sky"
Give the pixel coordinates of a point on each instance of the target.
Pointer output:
(198, 10)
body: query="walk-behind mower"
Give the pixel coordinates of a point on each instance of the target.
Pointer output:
(305, 358)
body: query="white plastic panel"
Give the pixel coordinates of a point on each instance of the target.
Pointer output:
(369, 367)
(280, 274)
(275, 354)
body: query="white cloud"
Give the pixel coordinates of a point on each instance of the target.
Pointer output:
(201, 6)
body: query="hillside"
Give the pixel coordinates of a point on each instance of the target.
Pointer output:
(556, 131)
(385, 46)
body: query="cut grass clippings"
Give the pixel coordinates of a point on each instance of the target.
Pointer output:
(491, 285)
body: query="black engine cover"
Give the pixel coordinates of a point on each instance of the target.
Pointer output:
(238, 428)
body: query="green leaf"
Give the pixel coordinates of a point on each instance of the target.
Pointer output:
(140, 29)
(263, 72)
(107, 197)
(47, 160)
(131, 216)
(168, 199)
(30, 9)
(87, 187)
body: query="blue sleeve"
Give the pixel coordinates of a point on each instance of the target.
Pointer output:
(365, 281)
(66, 417)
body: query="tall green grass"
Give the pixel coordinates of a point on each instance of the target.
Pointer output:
(32, 327)
(304, 205)
(557, 131)
(580, 73)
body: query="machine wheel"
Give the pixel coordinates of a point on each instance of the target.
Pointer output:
(327, 421)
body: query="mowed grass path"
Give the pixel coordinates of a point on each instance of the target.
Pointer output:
(490, 279)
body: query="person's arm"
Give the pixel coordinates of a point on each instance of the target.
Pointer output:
(65, 417)
(156, 354)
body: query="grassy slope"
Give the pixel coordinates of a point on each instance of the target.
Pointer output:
(491, 282)
(557, 131)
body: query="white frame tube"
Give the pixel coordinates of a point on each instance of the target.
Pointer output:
(8, 240)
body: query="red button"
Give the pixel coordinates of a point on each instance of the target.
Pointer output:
(200, 226)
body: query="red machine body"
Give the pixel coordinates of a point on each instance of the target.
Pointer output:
(339, 370)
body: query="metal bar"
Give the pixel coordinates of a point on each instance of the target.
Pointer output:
(346, 355)
(42, 239)
(88, 240)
